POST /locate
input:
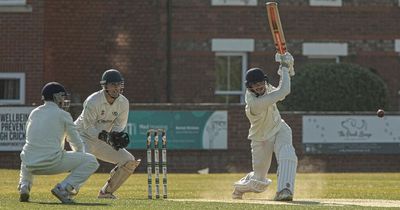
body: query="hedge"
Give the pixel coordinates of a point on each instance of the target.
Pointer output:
(336, 87)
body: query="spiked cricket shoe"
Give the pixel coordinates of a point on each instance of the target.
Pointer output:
(284, 195)
(23, 192)
(62, 194)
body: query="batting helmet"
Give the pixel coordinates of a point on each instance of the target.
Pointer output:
(255, 75)
(51, 89)
(110, 76)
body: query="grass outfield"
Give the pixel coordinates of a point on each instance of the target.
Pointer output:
(213, 191)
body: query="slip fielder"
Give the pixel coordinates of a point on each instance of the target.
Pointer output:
(43, 152)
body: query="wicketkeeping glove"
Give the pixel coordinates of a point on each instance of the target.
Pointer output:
(117, 140)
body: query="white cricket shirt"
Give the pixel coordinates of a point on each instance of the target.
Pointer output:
(46, 129)
(98, 115)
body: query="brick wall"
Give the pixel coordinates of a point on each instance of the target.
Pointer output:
(21, 46)
(73, 42)
(369, 28)
(83, 38)
(238, 156)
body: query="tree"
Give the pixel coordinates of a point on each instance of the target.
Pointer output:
(336, 87)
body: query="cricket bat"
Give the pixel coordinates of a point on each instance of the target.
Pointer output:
(276, 27)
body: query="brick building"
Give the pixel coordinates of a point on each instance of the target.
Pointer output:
(183, 51)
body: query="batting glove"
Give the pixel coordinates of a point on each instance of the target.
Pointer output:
(287, 61)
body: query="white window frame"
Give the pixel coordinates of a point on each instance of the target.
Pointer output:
(233, 2)
(21, 77)
(234, 47)
(14, 6)
(244, 69)
(397, 45)
(325, 50)
(326, 3)
(12, 2)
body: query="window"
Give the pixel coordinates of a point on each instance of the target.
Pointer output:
(325, 52)
(12, 88)
(230, 69)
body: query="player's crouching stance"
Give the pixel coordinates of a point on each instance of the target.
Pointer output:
(43, 152)
(269, 133)
(101, 125)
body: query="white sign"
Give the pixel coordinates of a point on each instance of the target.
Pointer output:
(12, 127)
(351, 129)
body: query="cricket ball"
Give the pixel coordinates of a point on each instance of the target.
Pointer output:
(380, 113)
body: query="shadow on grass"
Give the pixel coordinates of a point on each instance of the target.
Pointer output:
(292, 202)
(146, 199)
(70, 204)
(304, 202)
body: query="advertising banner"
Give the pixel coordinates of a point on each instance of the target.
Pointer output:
(12, 127)
(351, 134)
(184, 129)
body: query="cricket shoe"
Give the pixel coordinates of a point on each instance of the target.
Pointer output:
(106, 195)
(284, 195)
(71, 190)
(236, 194)
(24, 190)
(62, 194)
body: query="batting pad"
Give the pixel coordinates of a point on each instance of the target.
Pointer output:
(119, 175)
(287, 164)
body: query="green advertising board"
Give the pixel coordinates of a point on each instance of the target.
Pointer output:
(184, 129)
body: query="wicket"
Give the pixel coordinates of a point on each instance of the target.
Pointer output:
(155, 133)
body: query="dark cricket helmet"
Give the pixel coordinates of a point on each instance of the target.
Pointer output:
(255, 75)
(111, 75)
(51, 89)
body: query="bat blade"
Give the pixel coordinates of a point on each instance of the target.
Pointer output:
(276, 27)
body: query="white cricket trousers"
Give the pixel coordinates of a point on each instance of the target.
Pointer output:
(105, 152)
(262, 150)
(80, 165)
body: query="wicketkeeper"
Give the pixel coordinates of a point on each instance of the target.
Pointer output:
(101, 126)
(269, 133)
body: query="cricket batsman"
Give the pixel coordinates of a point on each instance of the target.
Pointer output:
(269, 133)
(43, 152)
(101, 126)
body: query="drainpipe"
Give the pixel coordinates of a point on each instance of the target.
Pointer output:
(168, 50)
